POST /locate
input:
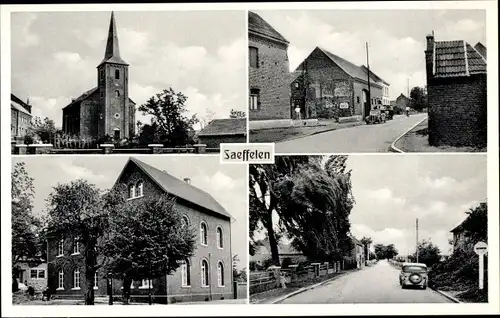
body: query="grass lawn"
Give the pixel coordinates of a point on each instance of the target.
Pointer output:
(417, 141)
(288, 133)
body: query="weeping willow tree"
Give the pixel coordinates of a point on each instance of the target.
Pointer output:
(314, 207)
(263, 198)
(311, 195)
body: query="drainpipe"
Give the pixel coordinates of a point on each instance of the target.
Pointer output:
(209, 276)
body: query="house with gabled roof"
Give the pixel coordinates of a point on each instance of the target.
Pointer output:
(107, 109)
(207, 275)
(456, 92)
(226, 130)
(329, 86)
(20, 115)
(268, 73)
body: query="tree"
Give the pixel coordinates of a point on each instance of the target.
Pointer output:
(237, 114)
(263, 200)
(366, 245)
(80, 211)
(315, 203)
(238, 275)
(147, 239)
(25, 227)
(390, 251)
(428, 253)
(385, 251)
(44, 129)
(418, 98)
(476, 224)
(169, 122)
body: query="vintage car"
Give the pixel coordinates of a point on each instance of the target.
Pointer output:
(413, 274)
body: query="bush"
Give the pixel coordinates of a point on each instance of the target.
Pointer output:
(287, 261)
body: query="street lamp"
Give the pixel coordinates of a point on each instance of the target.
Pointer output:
(110, 288)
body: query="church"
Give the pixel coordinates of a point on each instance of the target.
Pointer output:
(105, 110)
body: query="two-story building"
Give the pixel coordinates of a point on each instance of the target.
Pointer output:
(328, 86)
(462, 241)
(268, 72)
(386, 87)
(207, 275)
(20, 118)
(456, 93)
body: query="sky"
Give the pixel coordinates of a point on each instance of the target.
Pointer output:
(397, 38)
(391, 192)
(226, 183)
(55, 54)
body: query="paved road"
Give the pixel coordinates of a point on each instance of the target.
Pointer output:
(376, 284)
(364, 138)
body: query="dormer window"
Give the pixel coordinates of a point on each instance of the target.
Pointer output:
(117, 74)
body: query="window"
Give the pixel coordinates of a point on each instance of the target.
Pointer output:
(76, 279)
(254, 99)
(34, 274)
(96, 280)
(220, 274)
(204, 273)
(146, 284)
(102, 93)
(37, 273)
(254, 56)
(131, 191)
(357, 99)
(184, 221)
(101, 75)
(60, 281)
(186, 273)
(139, 189)
(203, 233)
(76, 245)
(60, 248)
(296, 84)
(117, 93)
(117, 74)
(220, 239)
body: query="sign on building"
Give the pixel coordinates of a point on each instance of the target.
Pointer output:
(344, 105)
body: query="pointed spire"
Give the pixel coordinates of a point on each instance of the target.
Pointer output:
(112, 54)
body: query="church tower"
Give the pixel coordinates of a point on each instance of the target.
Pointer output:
(116, 112)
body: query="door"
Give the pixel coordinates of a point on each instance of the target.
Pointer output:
(366, 103)
(117, 134)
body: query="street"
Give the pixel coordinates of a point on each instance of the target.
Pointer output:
(364, 138)
(375, 284)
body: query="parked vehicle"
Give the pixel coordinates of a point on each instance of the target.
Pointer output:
(413, 274)
(376, 117)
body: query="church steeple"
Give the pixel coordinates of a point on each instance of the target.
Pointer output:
(112, 54)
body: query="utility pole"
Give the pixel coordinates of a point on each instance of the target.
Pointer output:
(369, 89)
(417, 240)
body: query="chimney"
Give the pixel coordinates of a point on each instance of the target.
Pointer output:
(187, 180)
(429, 56)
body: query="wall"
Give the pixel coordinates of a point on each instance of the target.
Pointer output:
(215, 141)
(458, 111)
(271, 78)
(375, 91)
(20, 123)
(71, 119)
(38, 284)
(89, 114)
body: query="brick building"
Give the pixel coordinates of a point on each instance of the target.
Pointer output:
(207, 275)
(107, 108)
(460, 238)
(328, 86)
(401, 102)
(268, 71)
(228, 130)
(456, 92)
(20, 118)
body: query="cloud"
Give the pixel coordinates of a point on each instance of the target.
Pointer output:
(27, 37)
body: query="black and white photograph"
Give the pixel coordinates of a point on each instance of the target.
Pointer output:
(327, 229)
(351, 81)
(127, 82)
(128, 230)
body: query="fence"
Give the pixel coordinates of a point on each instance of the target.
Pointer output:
(263, 281)
(23, 149)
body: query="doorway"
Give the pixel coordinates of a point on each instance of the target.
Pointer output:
(117, 134)
(366, 103)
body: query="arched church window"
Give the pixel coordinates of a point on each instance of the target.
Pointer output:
(117, 93)
(117, 74)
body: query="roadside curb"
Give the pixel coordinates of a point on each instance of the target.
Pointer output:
(442, 293)
(393, 147)
(303, 289)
